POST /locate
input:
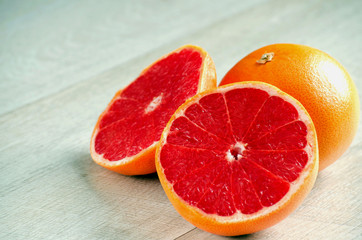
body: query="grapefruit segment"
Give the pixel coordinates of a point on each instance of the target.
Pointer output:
(285, 164)
(244, 195)
(268, 187)
(238, 159)
(210, 112)
(186, 133)
(268, 118)
(193, 186)
(218, 199)
(243, 105)
(180, 168)
(127, 132)
(289, 137)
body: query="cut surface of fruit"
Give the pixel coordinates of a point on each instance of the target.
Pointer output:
(316, 80)
(238, 159)
(127, 132)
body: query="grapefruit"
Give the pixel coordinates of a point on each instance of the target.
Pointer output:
(127, 132)
(238, 159)
(318, 81)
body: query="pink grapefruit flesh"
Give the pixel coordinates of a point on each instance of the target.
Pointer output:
(236, 152)
(136, 117)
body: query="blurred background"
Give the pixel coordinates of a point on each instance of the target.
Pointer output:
(62, 61)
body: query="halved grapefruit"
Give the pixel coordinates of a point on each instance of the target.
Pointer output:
(127, 132)
(238, 159)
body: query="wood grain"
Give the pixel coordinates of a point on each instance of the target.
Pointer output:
(62, 61)
(55, 45)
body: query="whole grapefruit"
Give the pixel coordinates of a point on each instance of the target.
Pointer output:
(318, 81)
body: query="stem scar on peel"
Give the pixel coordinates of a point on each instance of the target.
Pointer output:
(266, 57)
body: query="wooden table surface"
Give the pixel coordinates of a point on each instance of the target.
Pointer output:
(62, 61)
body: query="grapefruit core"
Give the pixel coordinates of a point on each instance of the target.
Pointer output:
(238, 159)
(127, 132)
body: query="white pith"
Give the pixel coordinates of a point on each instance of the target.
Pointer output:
(294, 186)
(240, 147)
(156, 101)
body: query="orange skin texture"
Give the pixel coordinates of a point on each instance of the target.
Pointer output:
(209, 224)
(316, 80)
(144, 162)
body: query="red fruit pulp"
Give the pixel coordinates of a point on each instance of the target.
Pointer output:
(237, 150)
(138, 116)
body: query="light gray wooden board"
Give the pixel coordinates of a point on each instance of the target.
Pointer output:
(59, 43)
(60, 64)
